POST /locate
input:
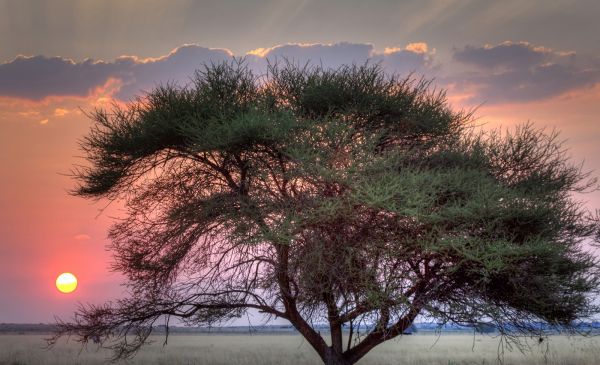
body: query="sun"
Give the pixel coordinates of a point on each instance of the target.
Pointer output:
(66, 282)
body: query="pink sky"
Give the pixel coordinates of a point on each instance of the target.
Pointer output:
(44, 231)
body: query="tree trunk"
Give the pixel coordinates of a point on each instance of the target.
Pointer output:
(333, 358)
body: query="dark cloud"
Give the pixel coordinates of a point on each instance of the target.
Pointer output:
(520, 72)
(328, 55)
(507, 54)
(401, 61)
(177, 67)
(38, 77)
(408, 61)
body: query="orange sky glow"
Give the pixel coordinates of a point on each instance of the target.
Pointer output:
(46, 231)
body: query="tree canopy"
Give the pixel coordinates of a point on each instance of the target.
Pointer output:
(342, 196)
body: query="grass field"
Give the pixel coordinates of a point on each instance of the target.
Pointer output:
(447, 349)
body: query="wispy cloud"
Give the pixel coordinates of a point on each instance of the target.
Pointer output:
(82, 237)
(60, 112)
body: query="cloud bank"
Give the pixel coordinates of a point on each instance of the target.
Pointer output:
(507, 72)
(38, 77)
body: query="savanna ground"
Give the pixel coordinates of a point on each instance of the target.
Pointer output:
(421, 349)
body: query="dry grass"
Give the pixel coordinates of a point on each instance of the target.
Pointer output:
(448, 349)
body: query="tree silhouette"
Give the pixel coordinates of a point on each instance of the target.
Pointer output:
(348, 197)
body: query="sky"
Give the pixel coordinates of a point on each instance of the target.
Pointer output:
(513, 61)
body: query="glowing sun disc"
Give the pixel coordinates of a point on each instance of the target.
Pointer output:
(66, 282)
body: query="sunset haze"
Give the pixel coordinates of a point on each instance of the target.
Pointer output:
(510, 62)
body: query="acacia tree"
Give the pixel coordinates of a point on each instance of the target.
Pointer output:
(347, 197)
